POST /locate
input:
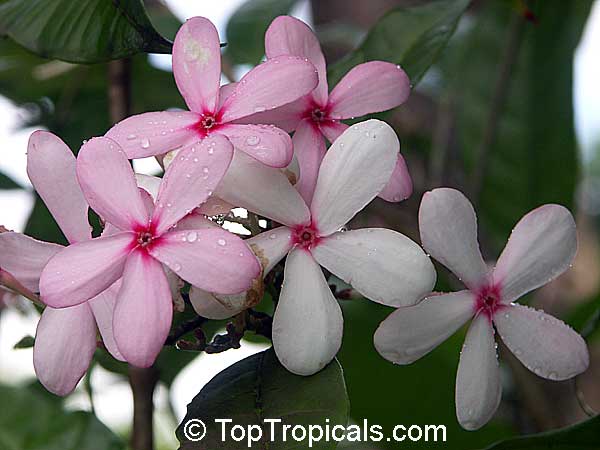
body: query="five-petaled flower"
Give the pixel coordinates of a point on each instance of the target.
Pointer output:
(541, 247)
(197, 71)
(368, 88)
(66, 338)
(383, 265)
(142, 241)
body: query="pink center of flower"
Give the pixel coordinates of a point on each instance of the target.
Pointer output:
(144, 238)
(305, 236)
(488, 300)
(317, 115)
(207, 123)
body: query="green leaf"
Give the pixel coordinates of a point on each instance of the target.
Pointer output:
(84, 31)
(32, 420)
(8, 183)
(258, 388)
(412, 37)
(25, 342)
(583, 436)
(534, 158)
(247, 26)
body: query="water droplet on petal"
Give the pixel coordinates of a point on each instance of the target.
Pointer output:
(192, 236)
(145, 143)
(222, 242)
(252, 140)
(176, 267)
(131, 137)
(260, 109)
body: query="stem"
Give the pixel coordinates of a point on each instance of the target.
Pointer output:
(142, 380)
(501, 88)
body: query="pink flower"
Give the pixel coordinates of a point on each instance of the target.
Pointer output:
(368, 88)
(541, 247)
(143, 241)
(197, 71)
(66, 338)
(383, 265)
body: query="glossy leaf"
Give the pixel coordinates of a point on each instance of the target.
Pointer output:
(84, 31)
(258, 388)
(246, 28)
(412, 37)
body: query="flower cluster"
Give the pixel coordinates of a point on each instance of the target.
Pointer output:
(233, 149)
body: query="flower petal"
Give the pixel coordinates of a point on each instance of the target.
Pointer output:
(274, 83)
(364, 155)
(81, 271)
(103, 306)
(191, 179)
(271, 246)
(195, 221)
(215, 206)
(383, 265)
(289, 36)
(208, 305)
(25, 258)
(478, 387)
(266, 143)
(545, 345)
(212, 259)
(197, 64)
(154, 133)
(144, 310)
(368, 88)
(308, 323)
(286, 117)
(541, 247)
(263, 190)
(410, 333)
(332, 129)
(400, 185)
(309, 148)
(65, 342)
(448, 227)
(109, 185)
(51, 169)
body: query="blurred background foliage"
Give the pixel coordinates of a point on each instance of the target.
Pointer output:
(491, 113)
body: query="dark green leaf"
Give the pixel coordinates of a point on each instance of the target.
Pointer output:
(583, 436)
(533, 159)
(29, 420)
(84, 31)
(25, 342)
(412, 37)
(8, 183)
(258, 388)
(247, 26)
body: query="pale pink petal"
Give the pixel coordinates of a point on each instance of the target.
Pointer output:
(271, 246)
(308, 323)
(541, 247)
(289, 36)
(81, 271)
(190, 180)
(332, 129)
(263, 190)
(410, 333)
(103, 306)
(212, 259)
(51, 169)
(400, 185)
(448, 227)
(478, 387)
(266, 143)
(286, 117)
(355, 169)
(216, 308)
(309, 148)
(65, 342)
(149, 183)
(224, 92)
(383, 265)
(108, 183)
(215, 206)
(197, 64)
(368, 88)
(144, 310)
(25, 258)
(154, 133)
(274, 83)
(545, 345)
(195, 221)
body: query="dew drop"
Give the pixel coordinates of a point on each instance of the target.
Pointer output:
(131, 137)
(176, 267)
(192, 236)
(222, 242)
(252, 140)
(145, 143)
(260, 109)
